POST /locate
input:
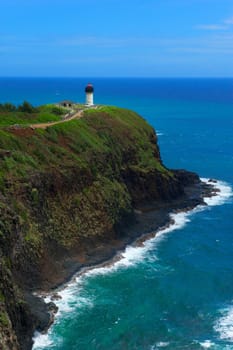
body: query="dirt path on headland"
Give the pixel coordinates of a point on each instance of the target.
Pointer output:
(77, 115)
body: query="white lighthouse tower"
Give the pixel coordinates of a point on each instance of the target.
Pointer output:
(89, 90)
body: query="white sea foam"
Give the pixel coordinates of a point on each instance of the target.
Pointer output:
(135, 254)
(130, 257)
(224, 326)
(70, 300)
(225, 193)
(70, 295)
(45, 341)
(207, 344)
(162, 344)
(41, 341)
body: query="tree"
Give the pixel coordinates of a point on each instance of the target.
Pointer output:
(26, 107)
(7, 107)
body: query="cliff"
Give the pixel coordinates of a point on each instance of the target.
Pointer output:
(69, 195)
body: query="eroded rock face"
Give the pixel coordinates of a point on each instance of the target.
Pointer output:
(16, 321)
(64, 202)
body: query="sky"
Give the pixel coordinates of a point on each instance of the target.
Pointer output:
(116, 38)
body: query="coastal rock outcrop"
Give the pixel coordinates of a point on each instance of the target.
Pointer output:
(69, 195)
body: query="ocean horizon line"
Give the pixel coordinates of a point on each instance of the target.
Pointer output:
(115, 77)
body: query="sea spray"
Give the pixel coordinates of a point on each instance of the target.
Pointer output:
(224, 325)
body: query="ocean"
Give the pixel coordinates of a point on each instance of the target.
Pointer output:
(176, 291)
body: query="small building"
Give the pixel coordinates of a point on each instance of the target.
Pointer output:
(89, 90)
(66, 103)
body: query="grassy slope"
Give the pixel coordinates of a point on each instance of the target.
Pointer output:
(107, 130)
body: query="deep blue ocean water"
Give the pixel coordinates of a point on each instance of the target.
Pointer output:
(176, 292)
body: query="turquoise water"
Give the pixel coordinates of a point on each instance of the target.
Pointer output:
(176, 292)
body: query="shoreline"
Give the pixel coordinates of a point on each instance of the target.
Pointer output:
(150, 221)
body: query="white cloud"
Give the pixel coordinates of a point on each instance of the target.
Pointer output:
(229, 21)
(212, 27)
(92, 41)
(107, 48)
(224, 25)
(214, 45)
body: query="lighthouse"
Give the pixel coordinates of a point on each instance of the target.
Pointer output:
(89, 90)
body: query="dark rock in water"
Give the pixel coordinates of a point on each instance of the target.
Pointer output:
(56, 296)
(213, 181)
(52, 307)
(41, 312)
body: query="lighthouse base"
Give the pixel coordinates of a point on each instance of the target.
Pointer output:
(89, 99)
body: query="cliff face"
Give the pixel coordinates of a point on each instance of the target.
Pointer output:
(66, 192)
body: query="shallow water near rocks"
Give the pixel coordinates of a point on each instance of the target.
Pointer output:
(175, 291)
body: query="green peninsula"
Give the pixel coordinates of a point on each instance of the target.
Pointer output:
(73, 193)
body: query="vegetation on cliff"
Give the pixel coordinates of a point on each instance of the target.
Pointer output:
(26, 114)
(65, 191)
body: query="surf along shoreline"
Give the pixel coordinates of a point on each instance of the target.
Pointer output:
(149, 220)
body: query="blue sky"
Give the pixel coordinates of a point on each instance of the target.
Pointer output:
(101, 38)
